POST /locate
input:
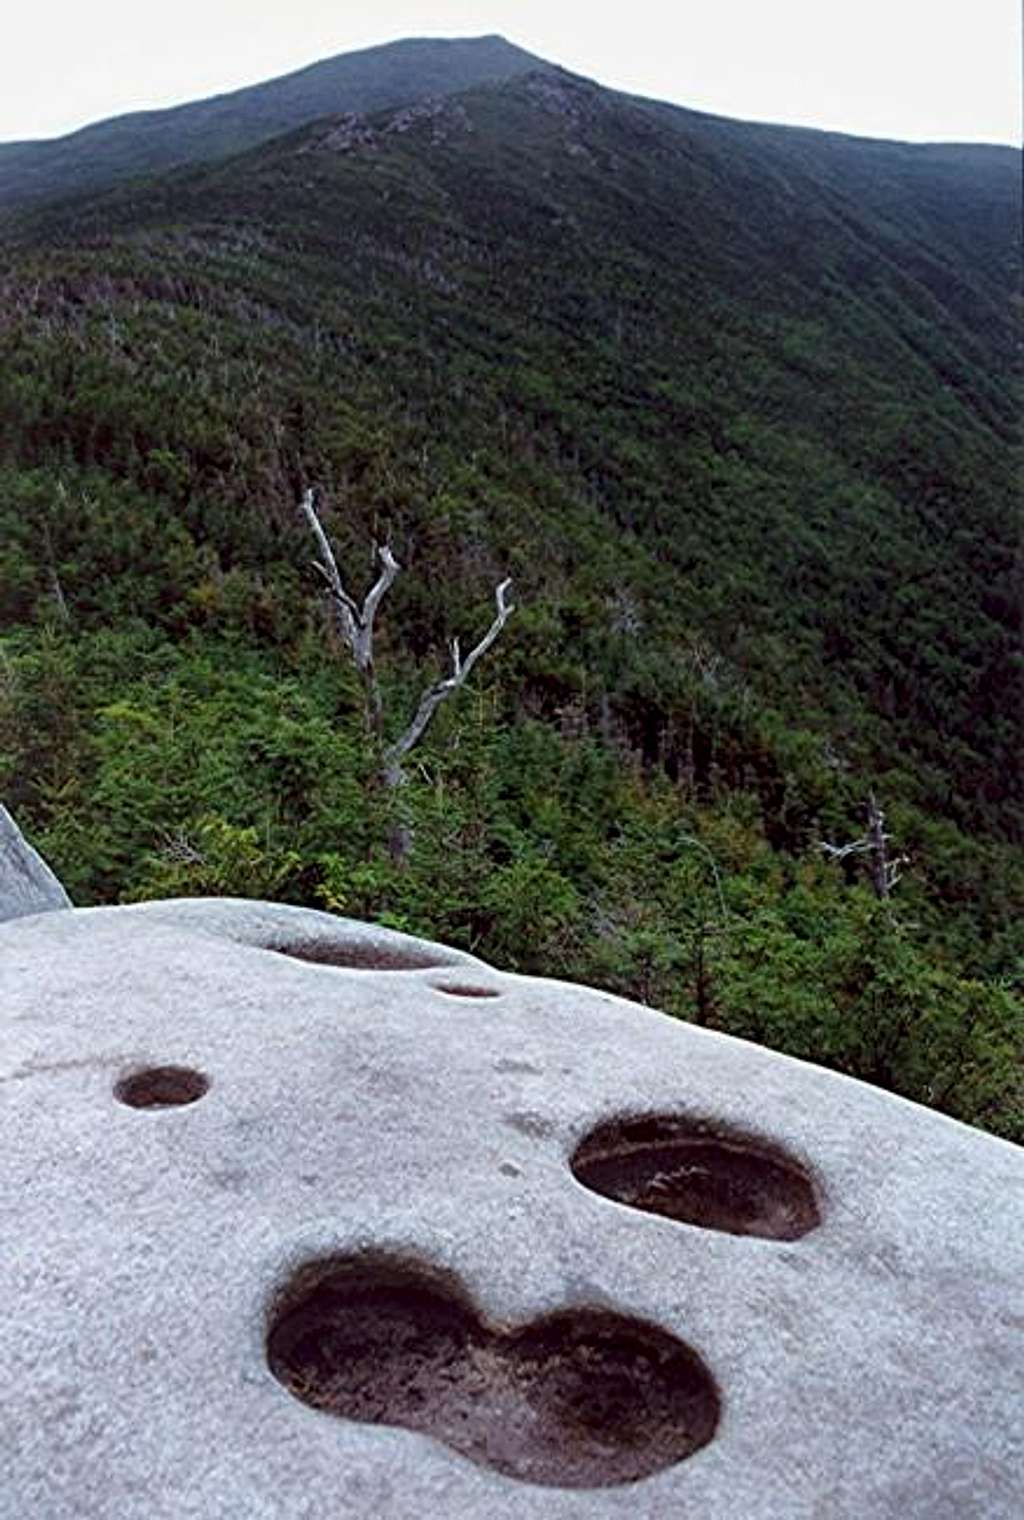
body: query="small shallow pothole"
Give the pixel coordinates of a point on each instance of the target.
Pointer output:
(466, 990)
(663, 1164)
(161, 1087)
(582, 1398)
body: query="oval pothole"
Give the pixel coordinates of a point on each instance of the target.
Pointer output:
(161, 1087)
(359, 957)
(666, 1165)
(583, 1398)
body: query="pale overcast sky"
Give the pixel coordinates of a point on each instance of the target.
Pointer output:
(920, 70)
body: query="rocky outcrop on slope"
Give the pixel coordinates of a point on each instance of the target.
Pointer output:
(304, 1218)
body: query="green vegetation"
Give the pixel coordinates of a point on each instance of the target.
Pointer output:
(736, 409)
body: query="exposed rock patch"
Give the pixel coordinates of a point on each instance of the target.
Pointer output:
(445, 117)
(27, 885)
(350, 133)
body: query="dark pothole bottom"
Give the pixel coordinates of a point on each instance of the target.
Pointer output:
(466, 990)
(682, 1170)
(359, 957)
(579, 1399)
(161, 1087)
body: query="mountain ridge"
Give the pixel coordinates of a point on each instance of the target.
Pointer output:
(148, 141)
(102, 152)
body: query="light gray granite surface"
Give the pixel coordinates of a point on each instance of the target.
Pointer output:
(27, 885)
(370, 1105)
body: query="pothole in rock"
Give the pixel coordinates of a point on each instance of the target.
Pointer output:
(583, 1398)
(360, 957)
(671, 1166)
(161, 1087)
(466, 990)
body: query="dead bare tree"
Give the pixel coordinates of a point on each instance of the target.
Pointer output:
(356, 624)
(884, 870)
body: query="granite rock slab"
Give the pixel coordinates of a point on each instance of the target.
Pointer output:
(27, 885)
(303, 1219)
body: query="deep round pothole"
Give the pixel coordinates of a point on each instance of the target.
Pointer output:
(663, 1164)
(583, 1398)
(161, 1087)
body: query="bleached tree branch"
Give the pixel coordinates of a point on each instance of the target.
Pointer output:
(884, 869)
(389, 571)
(434, 695)
(841, 851)
(328, 567)
(356, 623)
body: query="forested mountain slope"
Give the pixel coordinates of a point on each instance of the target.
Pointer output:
(735, 406)
(144, 142)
